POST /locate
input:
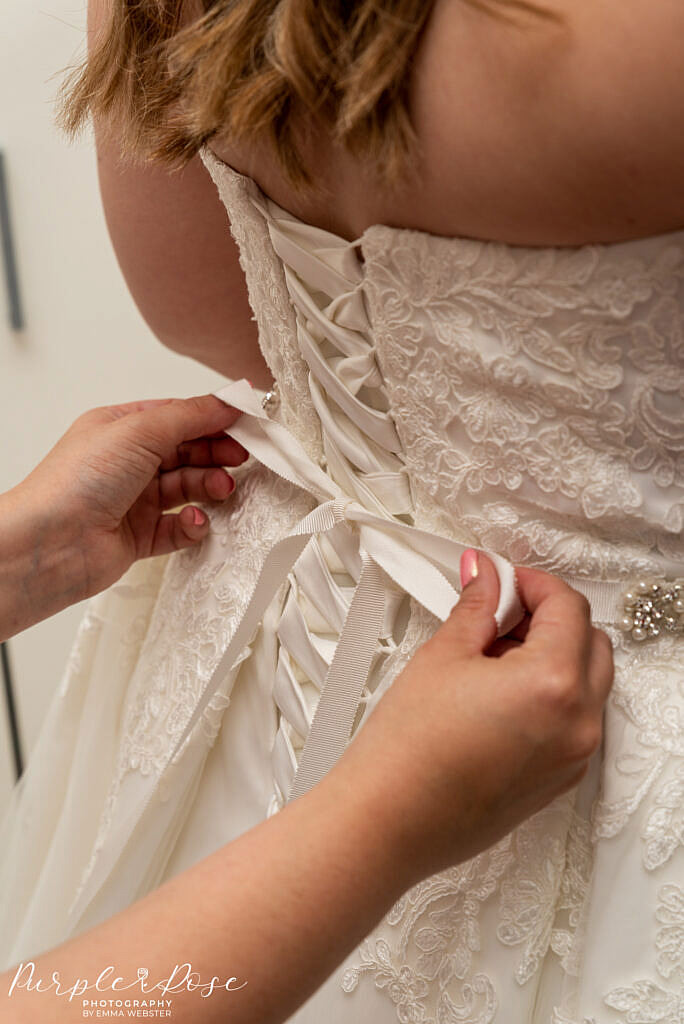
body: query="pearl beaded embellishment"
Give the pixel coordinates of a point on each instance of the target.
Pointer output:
(653, 607)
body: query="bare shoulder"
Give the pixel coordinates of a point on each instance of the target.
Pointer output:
(536, 131)
(558, 131)
(532, 131)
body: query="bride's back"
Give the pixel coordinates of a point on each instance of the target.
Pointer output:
(538, 131)
(557, 128)
(524, 400)
(532, 131)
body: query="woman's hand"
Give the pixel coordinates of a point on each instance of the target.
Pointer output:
(472, 737)
(100, 499)
(478, 733)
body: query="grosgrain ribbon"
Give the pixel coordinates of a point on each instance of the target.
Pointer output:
(422, 564)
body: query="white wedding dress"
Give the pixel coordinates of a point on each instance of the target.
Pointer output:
(432, 393)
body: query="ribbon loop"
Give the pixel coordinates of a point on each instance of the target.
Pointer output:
(419, 563)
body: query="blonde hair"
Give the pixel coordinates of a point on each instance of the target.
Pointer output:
(242, 68)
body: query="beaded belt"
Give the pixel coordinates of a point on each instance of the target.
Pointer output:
(651, 607)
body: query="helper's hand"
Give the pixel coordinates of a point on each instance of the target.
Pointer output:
(100, 499)
(477, 734)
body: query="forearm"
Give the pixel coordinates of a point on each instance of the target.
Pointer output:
(278, 908)
(41, 571)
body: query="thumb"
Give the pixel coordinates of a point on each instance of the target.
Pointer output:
(472, 621)
(163, 425)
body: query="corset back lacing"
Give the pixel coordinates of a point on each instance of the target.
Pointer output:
(363, 458)
(348, 566)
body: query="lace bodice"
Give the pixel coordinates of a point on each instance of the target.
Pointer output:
(529, 402)
(537, 394)
(433, 393)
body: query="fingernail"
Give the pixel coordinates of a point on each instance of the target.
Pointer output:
(198, 517)
(469, 568)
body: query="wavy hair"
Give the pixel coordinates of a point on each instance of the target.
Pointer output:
(241, 69)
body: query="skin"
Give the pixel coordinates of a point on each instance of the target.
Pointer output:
(490, 730)
(100, 500)
(555, 136)
(172, 239)
(530, 133)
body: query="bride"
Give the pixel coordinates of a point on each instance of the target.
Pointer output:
(459, 224)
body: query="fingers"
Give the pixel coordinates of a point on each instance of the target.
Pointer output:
(560, 616)
(117, 411)
(193, 484)
(179, 530)
(195, 417)
(601, 665)
(163, 426)
(471, 627)
(520, 631)
(537, 586)
(501, 645)
(206, 451)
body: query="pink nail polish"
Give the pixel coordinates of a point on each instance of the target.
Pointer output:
(469, 567)
(198, 517)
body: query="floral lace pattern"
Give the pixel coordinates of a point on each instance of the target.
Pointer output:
(537, 396)
(647, 1001)
(434, 965)
(270, 301)
(208, 601)
(670, 937)
(533, 389)
(648, 697)
(432, 955)
(194, 615)
(645, 786)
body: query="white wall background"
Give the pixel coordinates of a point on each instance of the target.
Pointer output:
(84, 343)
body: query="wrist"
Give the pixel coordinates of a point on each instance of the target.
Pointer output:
(41, 570)
(368, 812)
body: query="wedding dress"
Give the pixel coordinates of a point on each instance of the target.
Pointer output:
(432, 393)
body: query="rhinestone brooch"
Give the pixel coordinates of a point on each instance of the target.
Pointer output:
(652, 607)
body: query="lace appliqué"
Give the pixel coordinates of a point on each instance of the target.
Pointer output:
(647, 771)
(647, 695)
(542, 910)
(558, 1016)
(670, 937)
(192, 622)
(269, 298)
(434, 966)
(556, 375)
(647, 1001)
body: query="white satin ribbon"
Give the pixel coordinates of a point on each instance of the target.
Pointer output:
(419, 563)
